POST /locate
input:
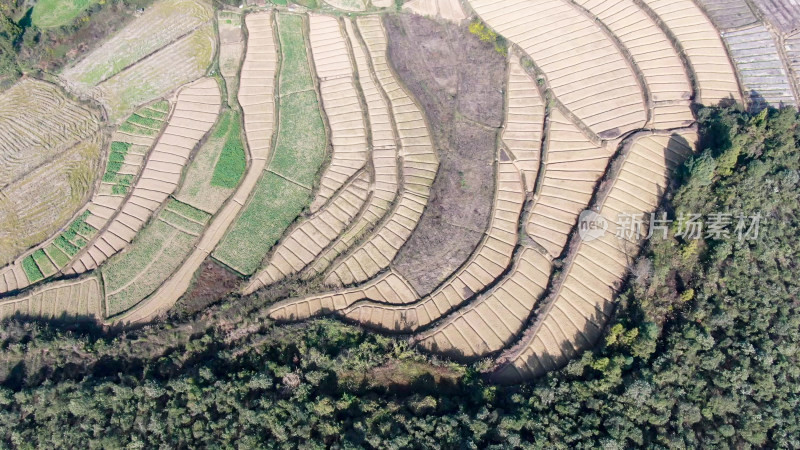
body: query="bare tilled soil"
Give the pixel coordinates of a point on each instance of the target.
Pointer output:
(459, 82)
(213, 283)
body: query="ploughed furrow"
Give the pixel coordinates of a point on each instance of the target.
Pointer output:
(792, 46)
(585, 69)
(493, 321)
(487, 263)
(75, 299)
(38, 122)
(574, 166)
(348, 5)
(384, 160)
(388, 288)
(655, 56)
(701, 43)
(783, 14)
(158, 74)
(524, 121)
(257, 98)
(419, 169)
(162, 23)
(574, 319)
(308, 240)
(728, 14)
(195, 112)
(760, 67)
(341, 104)
(446, 9)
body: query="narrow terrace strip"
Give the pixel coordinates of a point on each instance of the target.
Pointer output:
(491, 258)
(716, 79)
(572, 318)
(195, 112)
(419, 169)
(655, 57)
(257, 98)
(585, 69)
(341, 104)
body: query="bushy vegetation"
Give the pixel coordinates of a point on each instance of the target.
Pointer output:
(53, 33)
(703, 352)
(485, 34)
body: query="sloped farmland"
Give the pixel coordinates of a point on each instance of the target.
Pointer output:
(49, 153)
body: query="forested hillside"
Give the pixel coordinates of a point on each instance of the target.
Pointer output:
(703, 350)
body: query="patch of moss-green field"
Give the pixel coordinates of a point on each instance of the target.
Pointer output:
(57, 13)
(285, 189)
(158, 250)
(218, 167)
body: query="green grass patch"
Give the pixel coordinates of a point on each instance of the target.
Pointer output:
(299, 152)
(132, 128)
(57, 13)
(57, 255)
(300, 147)
(162, 106)
(68, 247)
(45, 265)
(295, 73)
(152, 114)
(31, 269)
(144, 121)
(232, 161)
(155, 254)
(274, 205)
(188, 211)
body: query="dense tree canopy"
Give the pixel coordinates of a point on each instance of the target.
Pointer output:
(703, 351)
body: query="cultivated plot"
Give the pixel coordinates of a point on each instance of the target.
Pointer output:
(524, 122)
(341, 103)
(419, 169)
(195, 112)
(74, 299)
(573, 319)
(159, 73)
(161, 24)
(284, 190)
(491, 258)
(729, 14)
(782, 14)
(586, 69)
(760, 67)
(701, 43)
(157, 251)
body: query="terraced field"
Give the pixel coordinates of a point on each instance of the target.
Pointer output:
(194, 114)
(765, 79)
(49, 150)
(419, 176)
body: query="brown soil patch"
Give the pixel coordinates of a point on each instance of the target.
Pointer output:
(212, 283)
(459, 82)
